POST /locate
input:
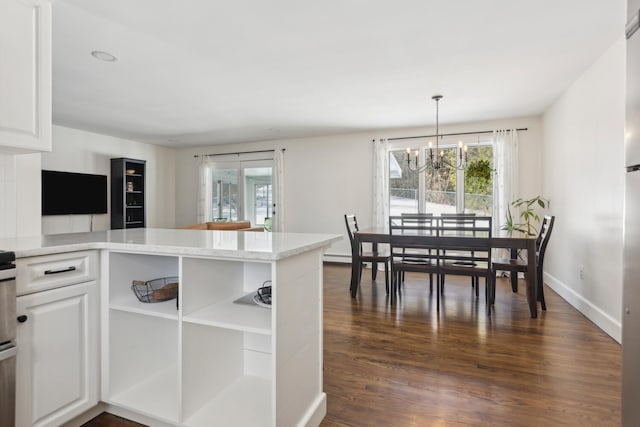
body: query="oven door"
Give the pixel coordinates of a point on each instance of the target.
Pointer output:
(8, 386)
(7, 305)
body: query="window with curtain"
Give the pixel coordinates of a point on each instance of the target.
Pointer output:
(446, 190)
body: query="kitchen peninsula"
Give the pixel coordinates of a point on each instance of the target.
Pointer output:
(206, 358)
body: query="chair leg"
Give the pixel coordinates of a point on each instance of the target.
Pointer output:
(386, 276)
(438, 295)
(394, 275)
(491, 282)
(430, 282)
(540, 286)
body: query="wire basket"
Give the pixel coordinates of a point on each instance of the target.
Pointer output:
(262, 297)
(156, 290)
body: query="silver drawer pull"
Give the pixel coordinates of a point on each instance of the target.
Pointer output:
(62, 270)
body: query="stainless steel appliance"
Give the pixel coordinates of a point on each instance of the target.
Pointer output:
(8, 349)
(631, 286)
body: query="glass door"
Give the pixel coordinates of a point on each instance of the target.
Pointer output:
(225, 191)
(242, 191)
(258, 190)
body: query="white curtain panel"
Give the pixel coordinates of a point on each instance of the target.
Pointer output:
(505, 184)
(278, 186)
(205, 193)
(380, 183)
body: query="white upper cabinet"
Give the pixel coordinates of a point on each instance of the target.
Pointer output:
(25, 76)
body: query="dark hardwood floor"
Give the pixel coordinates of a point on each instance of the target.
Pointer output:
(407, 365)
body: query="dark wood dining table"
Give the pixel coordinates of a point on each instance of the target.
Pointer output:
(513, 243)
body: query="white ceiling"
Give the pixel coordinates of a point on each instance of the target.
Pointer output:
(202, 72)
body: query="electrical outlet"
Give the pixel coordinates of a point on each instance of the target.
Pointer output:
(582, 272)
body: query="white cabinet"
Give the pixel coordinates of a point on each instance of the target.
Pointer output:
(211, 358)
(57, 364)
(25, 70)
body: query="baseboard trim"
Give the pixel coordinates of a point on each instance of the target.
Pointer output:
(339, 258)
(134, 416)
(604, 321)
(316, 412)
(86, 416)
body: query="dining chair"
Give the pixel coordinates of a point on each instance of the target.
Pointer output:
(467, 256)
(377, 256)
(413, 249)
(417, 221)
(521, 266)
(465, 225)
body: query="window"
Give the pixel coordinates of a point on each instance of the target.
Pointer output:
(446, 190)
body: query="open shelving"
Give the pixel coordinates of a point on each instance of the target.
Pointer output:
(143, 364)
(233, 315)
(127, 193)
(245, 402)
(211, 359)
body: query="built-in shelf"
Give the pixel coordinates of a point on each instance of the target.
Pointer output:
(165, 309)
(127, 190)
(157, 396)
(245, 402)
(237, 316)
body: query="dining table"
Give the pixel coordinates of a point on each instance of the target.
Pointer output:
(377, 235)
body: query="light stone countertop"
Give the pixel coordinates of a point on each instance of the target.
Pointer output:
(237, 245)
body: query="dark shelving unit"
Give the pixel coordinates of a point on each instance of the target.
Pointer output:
(128, 193)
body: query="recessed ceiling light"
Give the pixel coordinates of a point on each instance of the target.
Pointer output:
(103, 56)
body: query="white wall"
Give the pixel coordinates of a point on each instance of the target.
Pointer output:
(19, 195)
(326, 177)
(584, 180)
(85, 152)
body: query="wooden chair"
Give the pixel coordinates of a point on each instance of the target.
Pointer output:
(382, 256)
(418, 221)
(465, 225)
(467, 256)
(517, 265)
(413, 248)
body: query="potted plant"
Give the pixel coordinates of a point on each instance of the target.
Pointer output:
(528, 215)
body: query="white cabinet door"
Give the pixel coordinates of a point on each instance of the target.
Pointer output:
(25, 76)
(57, 364)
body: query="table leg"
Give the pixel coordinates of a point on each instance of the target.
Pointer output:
(355, 265)
(532, 291)
(514, 274)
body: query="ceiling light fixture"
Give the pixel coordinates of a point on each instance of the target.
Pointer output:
(439, 161)
(103, 56)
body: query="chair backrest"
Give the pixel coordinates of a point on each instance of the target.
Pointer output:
(413, 243)
(352, 225)
(413, 224)
(462, 225)
(543, 237)
(461, 214)
(417, 220)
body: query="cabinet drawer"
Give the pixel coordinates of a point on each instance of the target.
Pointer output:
(35, 274)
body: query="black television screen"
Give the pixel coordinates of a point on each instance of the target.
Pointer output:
(73, 193)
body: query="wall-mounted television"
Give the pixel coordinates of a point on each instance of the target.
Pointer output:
(73, 193)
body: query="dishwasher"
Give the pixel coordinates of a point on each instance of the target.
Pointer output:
(8, 348)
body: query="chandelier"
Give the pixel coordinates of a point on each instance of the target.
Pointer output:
(438, 161)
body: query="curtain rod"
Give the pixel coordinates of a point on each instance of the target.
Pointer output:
(237, 153)
(448, 134)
